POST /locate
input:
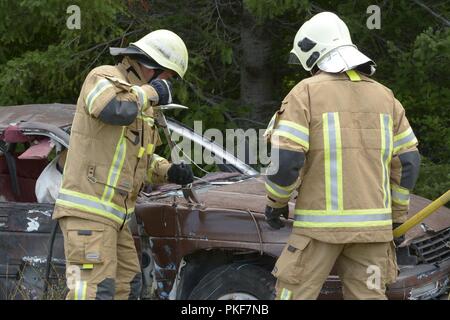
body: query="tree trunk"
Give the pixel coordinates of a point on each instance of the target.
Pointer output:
(257, 81)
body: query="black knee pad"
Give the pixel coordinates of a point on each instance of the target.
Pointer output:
(106, 289)
(135, 287)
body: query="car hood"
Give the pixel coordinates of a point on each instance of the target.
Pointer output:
(250, 194)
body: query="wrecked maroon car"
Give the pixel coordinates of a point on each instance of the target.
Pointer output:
(218, 249)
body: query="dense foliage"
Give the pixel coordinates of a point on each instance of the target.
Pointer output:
(235, 46)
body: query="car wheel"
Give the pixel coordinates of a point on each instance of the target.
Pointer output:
(236, 281)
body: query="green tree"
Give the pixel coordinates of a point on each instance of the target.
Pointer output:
(238, 51)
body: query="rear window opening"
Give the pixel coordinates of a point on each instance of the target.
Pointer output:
(18, 175)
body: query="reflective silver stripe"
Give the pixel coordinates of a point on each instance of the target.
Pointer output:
(343, 218)
(99, 87)
(333, 162)
(286, 294)
(301, 135)
(80, 287)
(278, 189)
(410, 137)
(386, 156)
(333, 157)
(400, 196)
(141, 94)
(91, 204)
(115, 169)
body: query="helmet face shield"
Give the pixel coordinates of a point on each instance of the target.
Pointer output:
(141, 57)
(147, 62)
(128, 51)
(344, 58)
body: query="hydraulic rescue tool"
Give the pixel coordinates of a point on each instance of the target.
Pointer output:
(188, 192)
(422, 214)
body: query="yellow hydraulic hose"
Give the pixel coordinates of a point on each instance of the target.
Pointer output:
(422, 214)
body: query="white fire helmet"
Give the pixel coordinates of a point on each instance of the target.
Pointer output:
(160, 49)
(325, 41)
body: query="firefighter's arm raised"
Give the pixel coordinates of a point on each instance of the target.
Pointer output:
(114, 101)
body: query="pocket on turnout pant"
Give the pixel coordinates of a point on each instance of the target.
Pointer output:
(85, 246)
(289, 265)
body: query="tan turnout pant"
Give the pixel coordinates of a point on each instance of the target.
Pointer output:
(364, 268)
(101, 261)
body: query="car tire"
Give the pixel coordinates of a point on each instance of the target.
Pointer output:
(236, 281)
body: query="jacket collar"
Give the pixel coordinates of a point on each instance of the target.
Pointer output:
(130, 68)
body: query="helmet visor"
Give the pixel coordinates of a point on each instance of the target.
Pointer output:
(342, 59)
(137, 54)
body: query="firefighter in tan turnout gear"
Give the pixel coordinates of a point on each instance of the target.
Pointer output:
(343, 142)
(112, 141)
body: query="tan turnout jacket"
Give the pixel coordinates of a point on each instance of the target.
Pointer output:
(112, 142)
(352, 131)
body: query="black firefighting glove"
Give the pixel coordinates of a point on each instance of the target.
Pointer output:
(180, 174)
(273, 216)
(164, 90)
(400, 239)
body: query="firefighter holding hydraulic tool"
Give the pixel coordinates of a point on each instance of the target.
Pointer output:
(111, 156)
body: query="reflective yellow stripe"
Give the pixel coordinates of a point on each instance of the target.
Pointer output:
(154, 160)
(142, 96)
(279, 191)
(87, 203)
(304, 224)
(88, 266)
(402, 135)
(333, 161)
(150, 121)
(75, 205)
(324, 218)
(400, 195)
(400, 189)
(286, 294)
(353, 75)
(141, 152)
(293, 131)
(342, 218)
(342, 212)
(116, 167)
(326, 146)
(339, 163)
(80, 290)
(404, 140)
(83, 296)
(296, 126)
(95, 199)
(386, 154)
(400, 201)
(100, 87)
(150, 148)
